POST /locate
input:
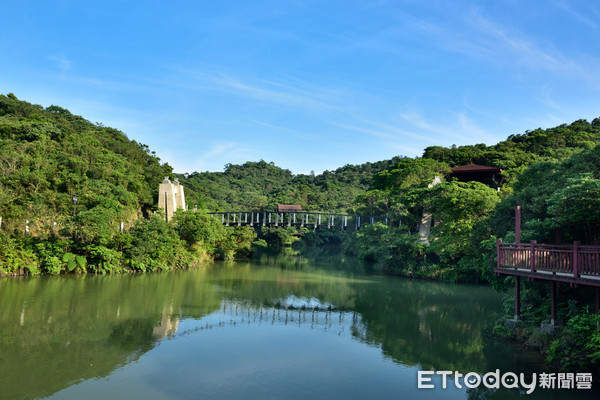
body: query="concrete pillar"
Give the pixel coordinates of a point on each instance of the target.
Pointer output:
(179, 195)
(167, 198)
(425, 225)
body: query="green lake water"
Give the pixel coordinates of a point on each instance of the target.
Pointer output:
(310, 325)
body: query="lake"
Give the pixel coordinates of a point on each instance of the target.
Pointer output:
(313, 324)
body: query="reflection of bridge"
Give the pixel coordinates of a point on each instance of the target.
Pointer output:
(301, 219)
(234, 312)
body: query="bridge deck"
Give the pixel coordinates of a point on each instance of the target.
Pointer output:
(300, 219)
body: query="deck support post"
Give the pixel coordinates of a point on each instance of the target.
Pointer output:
(517, 297)
(498, 254)
(553, 303)
(597, 299)
(576, 268)
(533, 260)
(228, 219)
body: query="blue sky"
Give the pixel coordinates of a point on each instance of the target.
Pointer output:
(309, 85)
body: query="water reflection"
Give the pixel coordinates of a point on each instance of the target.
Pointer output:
(280, 320)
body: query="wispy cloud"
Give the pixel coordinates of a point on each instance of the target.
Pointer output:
(285, 92)
(417, 120)
(62, 63)
(294, 132)
(577, 15)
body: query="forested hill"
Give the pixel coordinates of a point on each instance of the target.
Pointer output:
(263, 185)
(47, 154)
(516, 151)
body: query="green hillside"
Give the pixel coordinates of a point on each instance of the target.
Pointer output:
(48, 154)
(261, 186)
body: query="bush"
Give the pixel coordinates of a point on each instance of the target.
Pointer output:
(155, 245)
(577, 348)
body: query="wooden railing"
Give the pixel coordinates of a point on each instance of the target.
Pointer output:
(575, 260)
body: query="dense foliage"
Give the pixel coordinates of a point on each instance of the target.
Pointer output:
(262, 185)
(49, 154)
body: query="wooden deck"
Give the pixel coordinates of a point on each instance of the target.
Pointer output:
(575, 264)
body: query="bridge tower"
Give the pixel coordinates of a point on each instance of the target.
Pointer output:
(170, 197)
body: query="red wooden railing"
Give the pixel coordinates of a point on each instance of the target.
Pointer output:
(575, 259)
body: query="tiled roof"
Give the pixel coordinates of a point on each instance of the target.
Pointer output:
(474, 168)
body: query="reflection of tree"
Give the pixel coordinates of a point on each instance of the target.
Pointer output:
(431, 324)
(56, 331)
(438, 326)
